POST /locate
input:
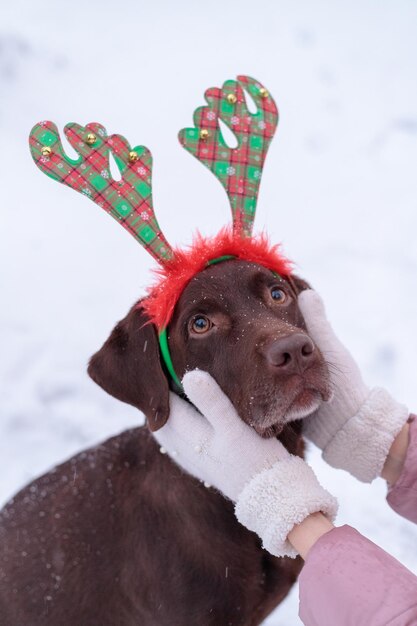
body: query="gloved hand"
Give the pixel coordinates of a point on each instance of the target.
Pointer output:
(357, 427)
(272, 489)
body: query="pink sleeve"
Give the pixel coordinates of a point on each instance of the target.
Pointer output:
(348, 580)
(402, 497)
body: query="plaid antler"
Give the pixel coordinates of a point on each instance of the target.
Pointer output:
(128, 200)
(238, 169)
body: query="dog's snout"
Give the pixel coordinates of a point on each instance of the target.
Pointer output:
(290, 354)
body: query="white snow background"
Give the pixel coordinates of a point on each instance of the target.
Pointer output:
(339, 190)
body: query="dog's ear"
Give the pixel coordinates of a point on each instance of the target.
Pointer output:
(298, 284)
(128, 367)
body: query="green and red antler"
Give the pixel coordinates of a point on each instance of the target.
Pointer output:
(238, 169)
(128, 200)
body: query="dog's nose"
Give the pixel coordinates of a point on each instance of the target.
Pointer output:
(290, 354)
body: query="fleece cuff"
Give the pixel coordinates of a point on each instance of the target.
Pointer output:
(362, 445)
(279, 498)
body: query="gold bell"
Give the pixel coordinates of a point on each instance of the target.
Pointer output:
(204, 134)
(46, 151)
(91, 138)
(231, 98)
(133, 156)
(264, 93)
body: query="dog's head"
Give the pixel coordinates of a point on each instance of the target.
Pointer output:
(241, 323)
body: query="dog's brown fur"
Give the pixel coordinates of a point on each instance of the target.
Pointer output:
(119, 535)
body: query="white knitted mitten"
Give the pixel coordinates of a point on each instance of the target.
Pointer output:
(357, 427)
(272, 489)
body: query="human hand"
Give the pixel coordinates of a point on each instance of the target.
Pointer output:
(357, 427)
(272, 489)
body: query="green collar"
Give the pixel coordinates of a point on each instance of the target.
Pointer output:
(166, 357)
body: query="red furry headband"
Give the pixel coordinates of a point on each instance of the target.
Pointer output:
(177, 273)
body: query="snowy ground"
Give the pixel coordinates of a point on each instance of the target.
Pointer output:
(339, 189)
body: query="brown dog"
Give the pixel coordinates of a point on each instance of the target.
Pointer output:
(119, 535)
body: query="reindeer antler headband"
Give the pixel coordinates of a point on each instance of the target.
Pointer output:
(129, 200)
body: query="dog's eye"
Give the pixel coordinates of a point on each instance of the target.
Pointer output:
(200, 324)
(278, 294)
